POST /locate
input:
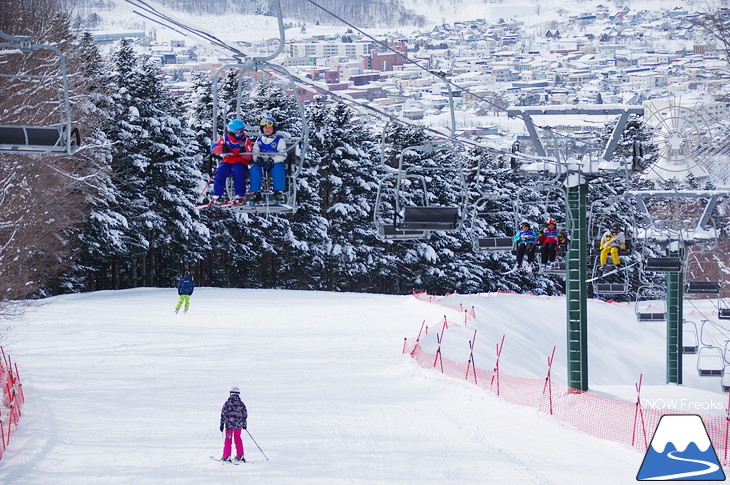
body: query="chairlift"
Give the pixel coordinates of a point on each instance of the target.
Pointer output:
(648, 311)
(710, 361)
(702, 287)
(437, 165)
(551, 196)
(663, 265)
(723, 310)
(710, 355)
(37, 138)
(385, 216)
(487, 213)
(690, 343)
(725, 379)
(697, 273)
(250, 77)
(412, 202)
(251, 106)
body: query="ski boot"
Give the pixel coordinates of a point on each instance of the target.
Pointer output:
(279, 197)
(254, 198)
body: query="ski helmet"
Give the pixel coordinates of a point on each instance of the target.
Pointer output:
(550, 221)
(615, 227)
(524, 223)
(236, 126)
(267, 121)
(235, 390)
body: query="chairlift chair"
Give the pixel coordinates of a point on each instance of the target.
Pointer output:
(690, 342)
(723, 310)
(710, 355)
(413, 201)
(699, 273)
(663, 265)
(645, 313)
(490, 223)
(55, 138)
(710, 361)
(249, 106)
(725, 379)
(702, 287)
(385, 216)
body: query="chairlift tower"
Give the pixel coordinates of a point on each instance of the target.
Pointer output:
(575, 175)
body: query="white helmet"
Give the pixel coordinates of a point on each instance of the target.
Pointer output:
(235, 390)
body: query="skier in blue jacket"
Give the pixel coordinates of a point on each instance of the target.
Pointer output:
(525, 241)
(185, 288)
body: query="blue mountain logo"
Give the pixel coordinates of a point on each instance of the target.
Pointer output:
(681, 450)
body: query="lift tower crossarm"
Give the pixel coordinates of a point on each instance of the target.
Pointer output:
(527, 112)
(712, 195)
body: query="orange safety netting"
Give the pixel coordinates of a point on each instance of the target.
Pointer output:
(605, 417)
(12, 400)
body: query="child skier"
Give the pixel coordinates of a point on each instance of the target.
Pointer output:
(233, 420)
(185, 288)
(550, 238)
(525, 241)
(269, 153)
(232, 145)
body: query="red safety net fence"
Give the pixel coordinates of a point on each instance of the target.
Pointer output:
(630, 423)
(12, 400)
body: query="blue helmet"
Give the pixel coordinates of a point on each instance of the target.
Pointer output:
(236, 125)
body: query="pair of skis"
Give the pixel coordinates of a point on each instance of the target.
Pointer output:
(514, 270)
(616, 269)
(257, 206)
(524, 269)
(229, 461)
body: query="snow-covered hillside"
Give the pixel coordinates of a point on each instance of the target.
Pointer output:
(121, 390)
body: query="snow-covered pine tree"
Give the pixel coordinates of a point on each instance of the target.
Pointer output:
(102, 241)
(346, 187)
(155, 169)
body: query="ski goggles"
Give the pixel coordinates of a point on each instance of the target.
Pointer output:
(266, 123)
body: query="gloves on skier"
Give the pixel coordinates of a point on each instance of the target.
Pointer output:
(235, 151)
(264, 162)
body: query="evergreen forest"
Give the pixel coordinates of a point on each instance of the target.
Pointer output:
(120, 213)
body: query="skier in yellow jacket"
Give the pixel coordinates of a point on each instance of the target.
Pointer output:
(612, 242)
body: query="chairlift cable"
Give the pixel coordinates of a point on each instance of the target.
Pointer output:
(198, 32)
(215, 41)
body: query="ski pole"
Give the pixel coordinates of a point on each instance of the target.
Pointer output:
(204, 189)
(257, 445)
